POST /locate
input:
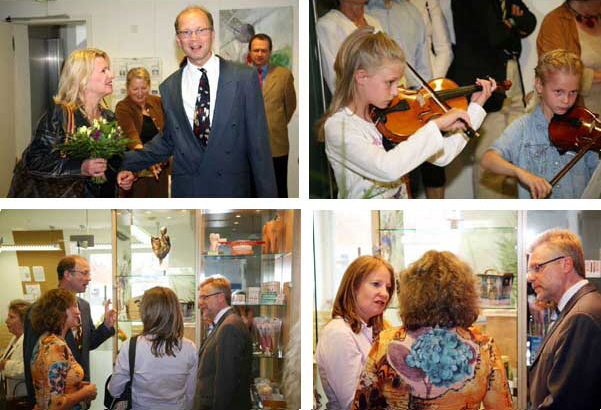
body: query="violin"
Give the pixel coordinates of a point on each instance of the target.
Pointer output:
(410, 110)
(579, 130)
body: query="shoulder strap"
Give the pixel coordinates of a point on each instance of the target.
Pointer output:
(132, 357)
(68, 120)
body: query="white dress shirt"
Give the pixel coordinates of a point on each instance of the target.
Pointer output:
(14, 372)
(219, 314)
(341, 355)
(190, 79)
(159, 383)
(437, 36)
(567, 295)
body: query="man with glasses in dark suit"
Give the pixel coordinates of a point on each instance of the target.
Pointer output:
(224, 358)
(74, 275)
(566, 369)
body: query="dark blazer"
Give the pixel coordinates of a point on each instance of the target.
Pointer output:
(565, 372)
(92, 337)
(224, 366)
(237, 160)
(483, 40)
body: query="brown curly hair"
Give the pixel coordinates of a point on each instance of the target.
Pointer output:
(439, 289)
(49, 312)
(345, 302)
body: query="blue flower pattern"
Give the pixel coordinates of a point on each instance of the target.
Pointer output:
(442, 356)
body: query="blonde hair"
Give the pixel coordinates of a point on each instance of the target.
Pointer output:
(162, 318)
(558, 60)
(563, 241)
(346, 297)
(78, 68)
(438, 289)
(137, 72)
(363, 49)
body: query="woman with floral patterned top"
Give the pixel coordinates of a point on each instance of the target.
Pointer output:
(57, 377)
(435, 360)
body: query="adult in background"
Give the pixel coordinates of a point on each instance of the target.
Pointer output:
(566, 368)
(334, 27)
(357, 318)
(215, 128)
(140, 116)
(488, 36)
(576, 26)
(85, 79)
(12, 374)
(277, 84)
(74, 276)
(166, 362)
(438, 303)
(58, 378)
(224, 358)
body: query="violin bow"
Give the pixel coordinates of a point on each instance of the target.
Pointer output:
(469, 131)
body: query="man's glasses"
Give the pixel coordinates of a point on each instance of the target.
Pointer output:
(537, 267)
(187, 34)
(204, 297)
(83, 272)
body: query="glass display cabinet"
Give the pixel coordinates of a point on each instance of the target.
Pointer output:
(178, 249)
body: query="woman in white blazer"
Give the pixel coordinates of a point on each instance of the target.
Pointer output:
(11, 361)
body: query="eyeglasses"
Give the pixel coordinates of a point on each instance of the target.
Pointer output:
(539, 266)
(83, 272)
(187, 34)
(204, 297)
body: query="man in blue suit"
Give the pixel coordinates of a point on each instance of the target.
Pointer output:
(215, 124)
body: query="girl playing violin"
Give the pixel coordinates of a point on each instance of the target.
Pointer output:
(524, 150)
(368, 68)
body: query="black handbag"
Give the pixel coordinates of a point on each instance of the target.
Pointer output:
(123, 402)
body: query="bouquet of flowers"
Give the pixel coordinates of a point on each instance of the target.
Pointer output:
(103, 139)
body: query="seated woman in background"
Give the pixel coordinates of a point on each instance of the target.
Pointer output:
(11, 361)
(140, 116)
(357, 318)
(43, 172)
(166, 362)
(435, 360)
(57, 377)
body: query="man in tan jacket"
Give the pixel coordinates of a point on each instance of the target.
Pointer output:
(277, 83)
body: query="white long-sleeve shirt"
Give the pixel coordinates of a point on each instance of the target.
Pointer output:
(341, 355)
(159, 383)
(332, 29)
(364, 169)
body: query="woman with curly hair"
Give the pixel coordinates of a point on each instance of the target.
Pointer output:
(166, 362)
(357, 318)
(435, 359)
(57, 377)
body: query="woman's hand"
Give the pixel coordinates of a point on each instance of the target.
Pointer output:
(488, 86)
(451, 120)
(93, 167)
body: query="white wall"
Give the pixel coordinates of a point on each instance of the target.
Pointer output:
(144, 28)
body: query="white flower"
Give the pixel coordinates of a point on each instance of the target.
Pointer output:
(96, 123)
